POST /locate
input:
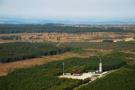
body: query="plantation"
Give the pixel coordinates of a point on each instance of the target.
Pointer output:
(10, 52)
(44, 77)
(103, 45)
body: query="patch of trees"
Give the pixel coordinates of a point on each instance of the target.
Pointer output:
(23, 50)
(9, 37)
(9, 28)
(101, 45)
(44, 77)
(10, 52)
(110, 62)
(108, 41)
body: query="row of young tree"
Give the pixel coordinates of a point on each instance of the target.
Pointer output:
(10, 52)
(4, 28)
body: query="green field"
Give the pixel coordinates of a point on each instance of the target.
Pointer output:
(44, 77)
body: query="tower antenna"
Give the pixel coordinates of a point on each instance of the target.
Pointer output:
(100, 65)
(63, 68)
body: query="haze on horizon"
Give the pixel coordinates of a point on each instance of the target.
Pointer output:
(67, 9)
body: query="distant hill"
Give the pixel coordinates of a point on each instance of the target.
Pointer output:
(68, 21)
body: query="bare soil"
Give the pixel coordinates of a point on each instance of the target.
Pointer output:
(5, 68)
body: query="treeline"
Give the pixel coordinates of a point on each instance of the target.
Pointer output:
(79, 65)
(101, 45)
(9, 28)
(9, 37)
(24, 50)
(10, 52)
(45, 77)
(121, 79)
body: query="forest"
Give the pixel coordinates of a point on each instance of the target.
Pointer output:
(45, 77)
(123, 79)
(101, 45)
(10, 52)
(31, 28)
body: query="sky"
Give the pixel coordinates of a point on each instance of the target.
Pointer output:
(67, 9)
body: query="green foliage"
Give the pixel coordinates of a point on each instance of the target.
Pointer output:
(54, 28)
(122, 79)
(9, 37)
(44, 77)
(23, 50)
(77, 46)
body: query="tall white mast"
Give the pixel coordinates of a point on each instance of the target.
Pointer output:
(100, 66)
(63, 67)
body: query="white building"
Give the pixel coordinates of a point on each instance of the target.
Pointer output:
(98, 73)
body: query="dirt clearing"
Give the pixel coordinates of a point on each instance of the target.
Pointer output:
(5, 68)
